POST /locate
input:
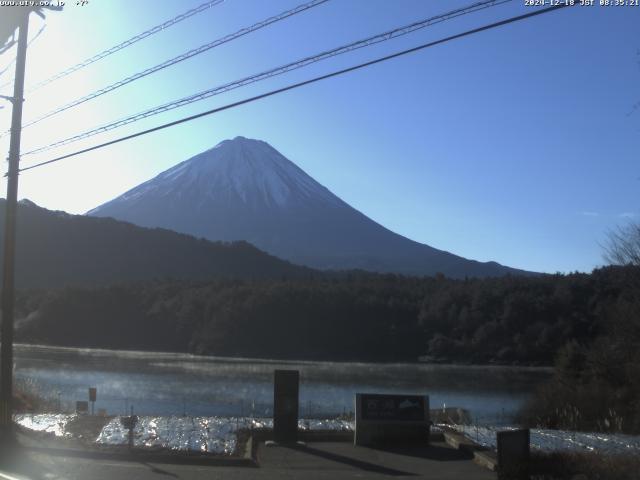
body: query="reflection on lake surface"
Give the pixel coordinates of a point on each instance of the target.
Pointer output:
(176, 384)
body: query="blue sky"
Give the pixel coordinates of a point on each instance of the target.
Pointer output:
(514, 145)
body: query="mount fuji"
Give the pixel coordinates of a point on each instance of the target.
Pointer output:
(244, 189)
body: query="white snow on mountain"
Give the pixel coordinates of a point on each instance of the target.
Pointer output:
(250, 170)
(244, 189)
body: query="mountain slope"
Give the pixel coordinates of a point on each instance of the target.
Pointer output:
(244, 189)
(56, 249)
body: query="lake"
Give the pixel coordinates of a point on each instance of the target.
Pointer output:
(177, 384)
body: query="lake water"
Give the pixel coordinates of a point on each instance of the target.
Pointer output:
(178, 384)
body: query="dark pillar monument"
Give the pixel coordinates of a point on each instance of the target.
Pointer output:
(513, 454)
(285, 405)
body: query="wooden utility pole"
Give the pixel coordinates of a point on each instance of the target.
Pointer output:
(8, 274)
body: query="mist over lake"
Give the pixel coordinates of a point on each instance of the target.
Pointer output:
(174, 384)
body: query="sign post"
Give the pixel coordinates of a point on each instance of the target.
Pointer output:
(82, 407)
(130, 424)
(93, 392)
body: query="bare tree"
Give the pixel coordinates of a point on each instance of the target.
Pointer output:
(623, 245)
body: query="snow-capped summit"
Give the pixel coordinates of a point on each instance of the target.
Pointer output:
(252, 171)
(241, 170)
(244, 189)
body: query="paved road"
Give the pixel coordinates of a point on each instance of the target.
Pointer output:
(326, 460)
(321, 460)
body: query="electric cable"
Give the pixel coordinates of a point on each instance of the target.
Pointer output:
(12, 62)
(382, 37)
(127, 43)
(303, 83)
(178, 59)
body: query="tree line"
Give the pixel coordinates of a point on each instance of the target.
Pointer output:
(355, 316)
(587, 325)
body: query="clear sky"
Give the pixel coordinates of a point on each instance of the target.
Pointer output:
(515, 145)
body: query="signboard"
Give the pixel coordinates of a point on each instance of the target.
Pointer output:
(401, 408)
(391, 419)
(285, 405)
(93, 392)
(82, 406)
(129, 422)
(513, 453)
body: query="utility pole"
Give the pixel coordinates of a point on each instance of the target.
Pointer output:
(8, 274)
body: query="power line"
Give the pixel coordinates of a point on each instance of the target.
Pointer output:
(13, 61)
(8, 44)
(9, 65)
(127, 43)
(303, 83)
(2, 72)
(382, 37)
(179, 58)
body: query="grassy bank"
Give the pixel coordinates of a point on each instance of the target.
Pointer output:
(28, 398)
(25, 402)
(596, 386)
(584, 466)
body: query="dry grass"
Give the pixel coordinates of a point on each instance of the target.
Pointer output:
(25, 402)
(584, 466)
(28, 398)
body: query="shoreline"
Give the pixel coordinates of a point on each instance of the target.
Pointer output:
(150, 354)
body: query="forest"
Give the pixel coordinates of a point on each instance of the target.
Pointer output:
(587, 325)
(355, 316)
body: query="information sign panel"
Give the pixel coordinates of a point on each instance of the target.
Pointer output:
(401, 408)
(391, 419)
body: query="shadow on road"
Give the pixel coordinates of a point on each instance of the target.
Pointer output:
(15, 462)
(159, 471)
(143, 457)
(429, 452)
(360, 464)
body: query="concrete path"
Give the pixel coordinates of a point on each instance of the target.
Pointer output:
(325, 460)
(315, 460)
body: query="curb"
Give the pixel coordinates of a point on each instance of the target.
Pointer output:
(481, 455)
(153, 457)
(49, 445)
